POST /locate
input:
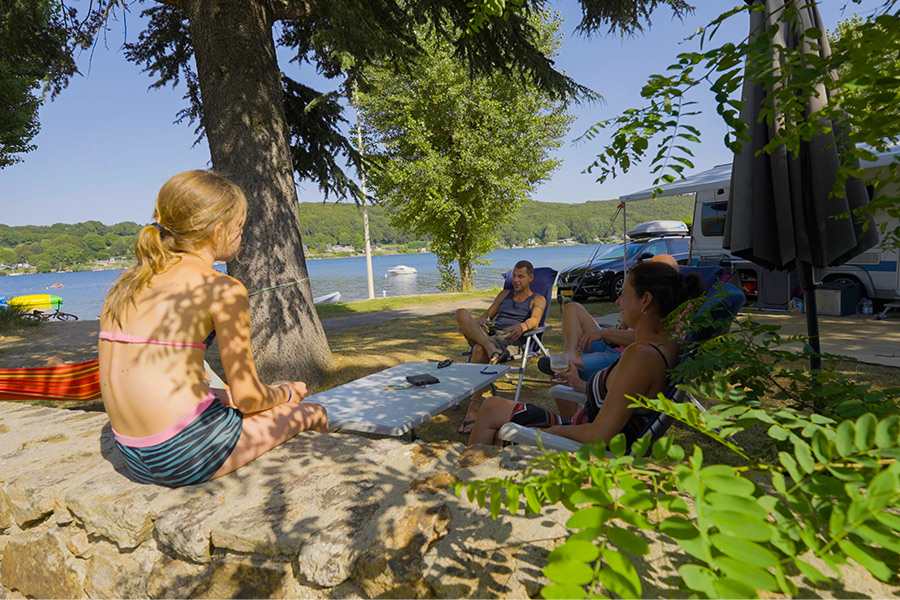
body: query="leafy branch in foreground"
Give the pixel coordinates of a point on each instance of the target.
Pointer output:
(826, 488)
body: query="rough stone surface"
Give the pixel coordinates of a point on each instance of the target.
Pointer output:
(322, 516)
(8, 594)
(38, 564)
(6, 519)
(62, 516)
(186, 529)
(476, 455)
(78, 543)
(173, 578)
(440, 482)
(393, 568)
(112, 573)
(422, 454)
(246, 578)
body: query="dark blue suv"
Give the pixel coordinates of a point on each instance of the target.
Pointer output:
(603, 278)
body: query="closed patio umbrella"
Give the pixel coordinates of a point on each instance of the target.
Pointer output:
(782, 208)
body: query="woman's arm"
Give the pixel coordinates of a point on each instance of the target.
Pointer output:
(230, 312)
(639, 372)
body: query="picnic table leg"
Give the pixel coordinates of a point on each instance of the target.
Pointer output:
(412, 434)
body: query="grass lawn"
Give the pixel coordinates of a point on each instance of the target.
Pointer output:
(361, 351)
(397, 302)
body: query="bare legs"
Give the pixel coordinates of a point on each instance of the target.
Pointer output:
(267, 429)
(493, 415)
(483, 348)
(576, 321)
(481, 353)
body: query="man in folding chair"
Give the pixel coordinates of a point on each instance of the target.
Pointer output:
(513, 312)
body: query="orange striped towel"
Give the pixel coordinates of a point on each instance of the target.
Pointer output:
(78, 382)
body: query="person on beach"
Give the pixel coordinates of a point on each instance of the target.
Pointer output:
(170, 427)
(513, 312)
(651, 292)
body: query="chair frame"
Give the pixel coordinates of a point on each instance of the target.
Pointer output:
(532, 338)
(657, 426)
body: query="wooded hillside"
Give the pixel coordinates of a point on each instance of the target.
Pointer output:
(545, 222)
(68, 246)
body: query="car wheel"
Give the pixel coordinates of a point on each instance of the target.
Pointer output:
(617, 286)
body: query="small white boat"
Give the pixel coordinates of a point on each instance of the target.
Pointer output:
(402, 270)
(332, 298)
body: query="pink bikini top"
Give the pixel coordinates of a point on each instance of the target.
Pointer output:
(133, 339)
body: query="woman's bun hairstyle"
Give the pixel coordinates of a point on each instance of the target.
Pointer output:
(668, 287)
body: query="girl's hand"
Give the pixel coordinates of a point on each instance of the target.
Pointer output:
(297, 388)
(298, 391)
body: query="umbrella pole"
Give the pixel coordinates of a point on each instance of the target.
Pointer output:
(804, 272)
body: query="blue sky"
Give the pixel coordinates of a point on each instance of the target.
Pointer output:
(108, 143)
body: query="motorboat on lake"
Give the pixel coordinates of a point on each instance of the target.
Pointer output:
(402, 270)
(332, 298)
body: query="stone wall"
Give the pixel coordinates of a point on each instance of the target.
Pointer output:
(322, 516)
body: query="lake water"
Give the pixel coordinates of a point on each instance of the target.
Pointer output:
(83, 293)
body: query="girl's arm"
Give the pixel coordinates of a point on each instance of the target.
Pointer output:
(639, 371)
(230, 312)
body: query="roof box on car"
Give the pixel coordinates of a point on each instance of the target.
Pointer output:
(657, 229)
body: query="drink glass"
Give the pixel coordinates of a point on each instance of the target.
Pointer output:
(559, 363)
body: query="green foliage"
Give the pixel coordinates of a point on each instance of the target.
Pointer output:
(58, 245)
(863, 74)
(457, 155)
(323, 224)
(35, 52)
(823, 488)
(624, 16)
(14, 317)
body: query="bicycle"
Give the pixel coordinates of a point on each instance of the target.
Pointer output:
(39, 315)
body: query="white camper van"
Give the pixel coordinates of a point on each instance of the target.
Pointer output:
(876, 271)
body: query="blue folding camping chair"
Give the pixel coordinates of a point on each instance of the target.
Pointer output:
(530, 344)
(722, 301)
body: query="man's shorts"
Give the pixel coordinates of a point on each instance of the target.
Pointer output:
(503, 344)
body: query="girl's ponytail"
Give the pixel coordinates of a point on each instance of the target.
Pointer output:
(153, 252)
(188, 208)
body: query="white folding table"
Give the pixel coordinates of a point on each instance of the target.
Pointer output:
(366, 405)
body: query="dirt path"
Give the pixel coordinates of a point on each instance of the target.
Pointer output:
(76, 342)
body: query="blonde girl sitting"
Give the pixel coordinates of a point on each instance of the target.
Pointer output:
(171, 429)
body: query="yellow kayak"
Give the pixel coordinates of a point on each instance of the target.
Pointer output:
(37, 302)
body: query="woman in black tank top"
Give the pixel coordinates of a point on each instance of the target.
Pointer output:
(651, 292)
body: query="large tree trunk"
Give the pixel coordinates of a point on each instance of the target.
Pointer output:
(243, 114)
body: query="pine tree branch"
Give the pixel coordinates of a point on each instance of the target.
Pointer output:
(292, 10)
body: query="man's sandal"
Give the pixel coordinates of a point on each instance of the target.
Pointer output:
(498, 357)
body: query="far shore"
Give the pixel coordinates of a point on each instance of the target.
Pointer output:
(127, 264)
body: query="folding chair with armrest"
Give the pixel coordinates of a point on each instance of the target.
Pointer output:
(722, 303)
(530, 341)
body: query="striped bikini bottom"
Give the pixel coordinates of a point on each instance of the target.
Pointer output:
(188, 452)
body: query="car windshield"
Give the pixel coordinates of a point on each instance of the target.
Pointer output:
(615, 251)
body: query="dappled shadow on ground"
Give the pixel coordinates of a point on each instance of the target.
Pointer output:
(31, 346)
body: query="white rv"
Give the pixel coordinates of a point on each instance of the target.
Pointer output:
(876, 271)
